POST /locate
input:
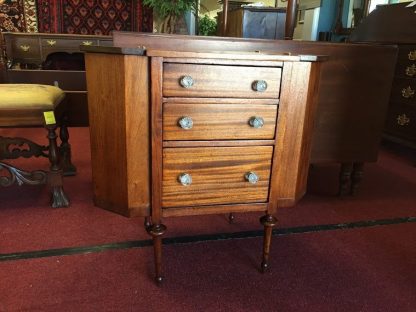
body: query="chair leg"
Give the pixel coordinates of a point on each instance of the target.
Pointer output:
(65, 151)
(59, 199)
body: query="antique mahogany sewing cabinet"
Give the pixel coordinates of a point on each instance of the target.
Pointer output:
(177, 133)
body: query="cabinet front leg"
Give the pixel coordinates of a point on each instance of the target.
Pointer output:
(268, 222)
(157, 230)
(345, 179)
(356, 176)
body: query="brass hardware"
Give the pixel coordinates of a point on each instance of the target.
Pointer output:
(186, 81)
(408, 92)
(185, 179)
(51, 42)
(411, 70)
(87, 43)
(403, 120)
(251, 177)
(259, 85)
(412, 55)
(186, 122)
(256, 122)
(25, 48)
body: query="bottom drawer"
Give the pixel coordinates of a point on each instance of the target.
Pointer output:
(401, 121)
(215, 175)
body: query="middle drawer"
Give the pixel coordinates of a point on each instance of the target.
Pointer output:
(218, 121)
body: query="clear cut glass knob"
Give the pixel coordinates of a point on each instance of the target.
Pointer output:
(185, 179)
(251, 177)
(186, 81)
(259, 85)
(256, 122)
(186, 122)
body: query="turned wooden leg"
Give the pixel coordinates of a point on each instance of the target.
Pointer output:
(231, 218)
(345, 179)
(59, 199)
(157, 230)
(65, 151)
(268, 222)
(356, 176)
(147, 222)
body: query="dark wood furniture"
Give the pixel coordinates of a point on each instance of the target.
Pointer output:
(200, 133)
(396, 24)
(256, 22)
(29, 105)
(352, 100)
(25, 58)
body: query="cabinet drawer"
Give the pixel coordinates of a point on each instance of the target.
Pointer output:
(218, 121)
(401, 121)
(217, 173)
(404, 91)
(24, 48)
(220, 81)
(67, 44)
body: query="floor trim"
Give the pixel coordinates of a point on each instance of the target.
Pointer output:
(201, 238)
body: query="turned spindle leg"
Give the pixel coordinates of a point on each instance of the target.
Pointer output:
(157, 230)
(268, 222)
(345, 178)
(147, 222)
(59, 199)
(231, 218)
(356, 176)
(65, 150)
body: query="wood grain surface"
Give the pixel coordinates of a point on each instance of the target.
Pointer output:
(218, 121)
(220, 81)
(217, 175)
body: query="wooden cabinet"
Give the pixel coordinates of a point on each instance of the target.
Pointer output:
(200, 133)
(25, 58)
(396, 24)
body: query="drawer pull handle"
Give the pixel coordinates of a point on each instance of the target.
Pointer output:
(251, 177)
(186, 81)
(185, 179)
(256, 122)
(259, 85)
(412, 55)
(87, 43)
(408, 92)
(186, 123)
(51, 42)
(411, 70)
(403, 120)
(24, 48)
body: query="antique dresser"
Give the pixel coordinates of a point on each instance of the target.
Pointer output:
(396, 24)
(182, 133)
(52, 59)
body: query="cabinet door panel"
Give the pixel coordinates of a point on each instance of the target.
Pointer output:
(218, 175)
(219, 121)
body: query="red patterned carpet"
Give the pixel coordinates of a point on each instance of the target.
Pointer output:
(329, 254)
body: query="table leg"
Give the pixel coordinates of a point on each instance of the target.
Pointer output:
(268, 222)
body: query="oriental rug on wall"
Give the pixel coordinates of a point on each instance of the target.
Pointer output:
(93, 17)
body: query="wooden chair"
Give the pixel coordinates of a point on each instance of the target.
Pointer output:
(32, 105)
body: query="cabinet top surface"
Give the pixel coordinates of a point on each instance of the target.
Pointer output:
(17, 34)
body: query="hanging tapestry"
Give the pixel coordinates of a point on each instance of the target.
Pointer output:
(89, 17)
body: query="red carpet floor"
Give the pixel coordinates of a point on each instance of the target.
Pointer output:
(360, 269)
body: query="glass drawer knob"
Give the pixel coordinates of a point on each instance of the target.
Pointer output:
(256, 122)
(186, 123)
(259, 85)
(251, 177)
(186, 81)
(185, 179)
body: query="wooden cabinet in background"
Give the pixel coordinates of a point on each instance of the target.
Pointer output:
(396, 24)
(26, 56)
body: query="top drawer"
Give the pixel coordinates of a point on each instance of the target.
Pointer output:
(196, 80)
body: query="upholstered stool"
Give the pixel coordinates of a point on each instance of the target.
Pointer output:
(31, 105)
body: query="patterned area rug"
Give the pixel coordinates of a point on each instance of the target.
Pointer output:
(94, 17)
